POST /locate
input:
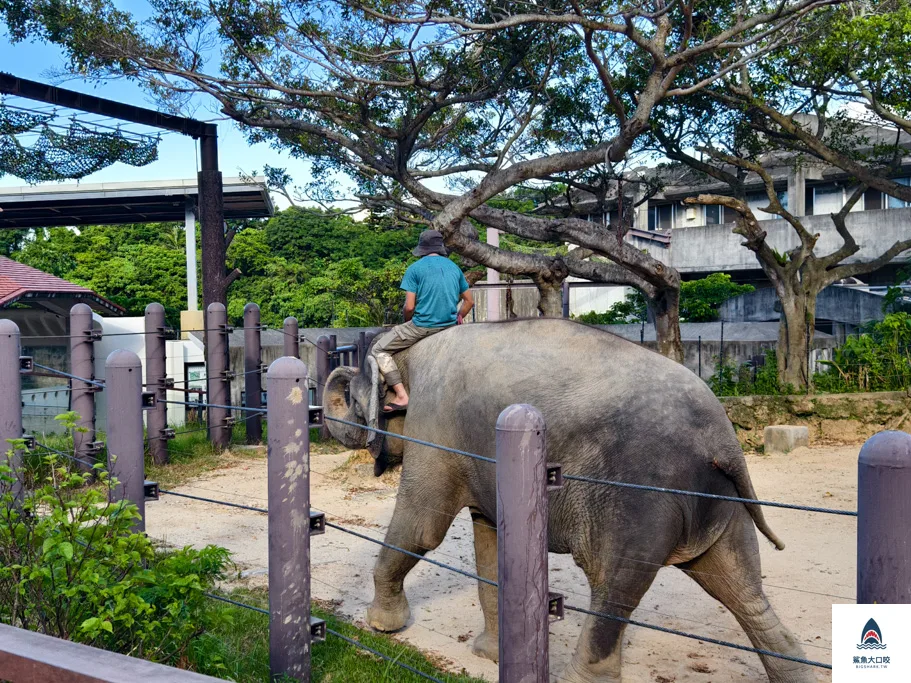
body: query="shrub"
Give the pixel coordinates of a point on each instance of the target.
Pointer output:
(71, 567)
(877, 360)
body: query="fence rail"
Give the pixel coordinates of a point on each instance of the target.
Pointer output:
(526, 605)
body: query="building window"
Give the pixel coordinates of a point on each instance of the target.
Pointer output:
(715, 214)
(827, 199)
(873, 200)
(895, 203)
(661, 217)
(757, 200)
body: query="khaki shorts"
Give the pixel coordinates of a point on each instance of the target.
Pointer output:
(398, 339)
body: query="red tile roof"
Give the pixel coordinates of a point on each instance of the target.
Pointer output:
(19, 281)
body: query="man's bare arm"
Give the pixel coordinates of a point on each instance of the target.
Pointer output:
(411, 300)
(467, 305)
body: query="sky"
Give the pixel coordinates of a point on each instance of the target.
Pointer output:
(177, 155)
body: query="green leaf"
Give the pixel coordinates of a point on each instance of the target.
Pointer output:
(66, 549)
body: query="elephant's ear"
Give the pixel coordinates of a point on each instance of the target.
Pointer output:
(373, 402)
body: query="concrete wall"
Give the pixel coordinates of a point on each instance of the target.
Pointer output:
(836, 303)
(717, 248)
(831, 419)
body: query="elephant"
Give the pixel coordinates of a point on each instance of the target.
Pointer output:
(614, 411)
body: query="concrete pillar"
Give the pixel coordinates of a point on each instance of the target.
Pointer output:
(493, 278)
(253, 363)
(797, 191)
(190, 234)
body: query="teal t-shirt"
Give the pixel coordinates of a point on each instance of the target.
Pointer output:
(438, 284)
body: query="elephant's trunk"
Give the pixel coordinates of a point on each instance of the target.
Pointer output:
(335, 405)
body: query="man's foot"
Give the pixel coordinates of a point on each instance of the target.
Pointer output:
(393, 408)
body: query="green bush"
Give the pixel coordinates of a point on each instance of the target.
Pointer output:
(747, 380)
(71, 567)
(877, 360)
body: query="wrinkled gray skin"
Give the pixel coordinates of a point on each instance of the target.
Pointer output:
(613, 411)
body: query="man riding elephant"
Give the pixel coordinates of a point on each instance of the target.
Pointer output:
(434, 285)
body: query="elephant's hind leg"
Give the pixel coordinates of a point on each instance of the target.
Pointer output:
(423, 514)
(616, 591)
(730, 572)
(485, 551)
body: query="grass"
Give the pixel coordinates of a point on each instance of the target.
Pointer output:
(238, 650)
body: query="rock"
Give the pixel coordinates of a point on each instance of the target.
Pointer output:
(785, 438)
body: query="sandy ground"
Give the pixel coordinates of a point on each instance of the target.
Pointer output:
(816, 569)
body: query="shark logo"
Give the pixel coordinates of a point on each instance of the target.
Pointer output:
(872, 637)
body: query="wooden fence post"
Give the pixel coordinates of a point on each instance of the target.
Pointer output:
(123, 376)
(218, 387)
(884, 520)
(156, 372)
(523, 596)
(82, 395)
(292, 338)
(289, 519)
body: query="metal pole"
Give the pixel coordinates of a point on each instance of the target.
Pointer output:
(522, 597)
(334, 360)
(10, 398)
(189, 222)
(253, 363)
(292, 342)
(323, 368)
(565, 290)
(289, 519)
(361, 349)
(217, 383)
(123, 376)
(721, 350)
(884, 520)
(82, 397)
(699, 352)
(156, 372)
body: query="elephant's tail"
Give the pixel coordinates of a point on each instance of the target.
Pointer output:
(737, 473)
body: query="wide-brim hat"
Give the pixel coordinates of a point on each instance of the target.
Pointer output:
(430, 242)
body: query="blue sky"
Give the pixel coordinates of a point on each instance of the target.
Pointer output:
(177, 154)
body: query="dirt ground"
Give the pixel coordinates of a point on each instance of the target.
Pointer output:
(816, 569)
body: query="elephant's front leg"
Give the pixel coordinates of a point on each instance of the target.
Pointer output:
(485, 551)
(419, 524)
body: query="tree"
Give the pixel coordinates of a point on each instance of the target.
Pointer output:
(724, 137)
(400, 98)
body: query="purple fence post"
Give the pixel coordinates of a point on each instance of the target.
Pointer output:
(82, 396)
(323, 368)
(522, 597)
(884, 520)
(10, 398)
(217, 378)
(253, 366)
(156, 372)
(289, 519)
(292, 338)
(123, 382)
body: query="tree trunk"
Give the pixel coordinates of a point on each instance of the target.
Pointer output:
(550, 301)
(795, 332)
(665, 307)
